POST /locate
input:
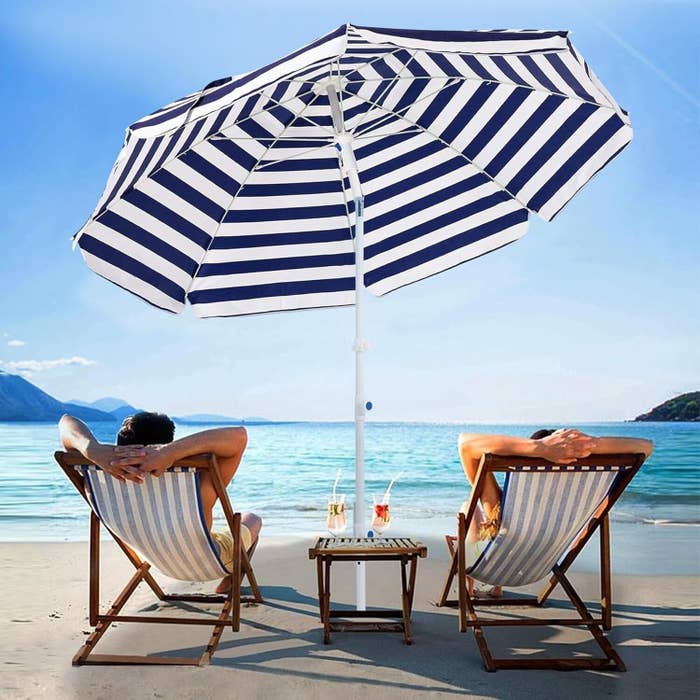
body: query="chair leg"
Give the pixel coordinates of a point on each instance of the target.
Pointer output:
(605, 571)
(236, 574)
(94, 594)
(592, 625)
(447, 586)
(582, 540)
(605, 578)
(462, 573)
(466, 606)
(218, 630)
(101, 627)
(247, 572)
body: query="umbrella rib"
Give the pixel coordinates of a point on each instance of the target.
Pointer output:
(296, 155)
(340, 172)
(465, 78)
(404, 65)
(270, 138)
(451, 147)
(449, 83)
(235, 196)
(282, 104)
(371, 135)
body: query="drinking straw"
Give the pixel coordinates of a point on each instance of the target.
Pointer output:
(335, 485)
(388, 488)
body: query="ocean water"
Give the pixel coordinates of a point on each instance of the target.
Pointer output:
(288, 471)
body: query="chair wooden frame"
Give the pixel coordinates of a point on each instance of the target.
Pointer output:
(629, 465)
(231, 602)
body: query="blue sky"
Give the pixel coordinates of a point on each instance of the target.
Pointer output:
(591, 317)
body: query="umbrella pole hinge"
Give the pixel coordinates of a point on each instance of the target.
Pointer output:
(360, 345)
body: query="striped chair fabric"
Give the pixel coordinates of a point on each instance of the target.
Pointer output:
(161, 518)
(541, 514)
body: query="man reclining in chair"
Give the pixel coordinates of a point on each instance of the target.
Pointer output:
(560, 446)
(145, 445)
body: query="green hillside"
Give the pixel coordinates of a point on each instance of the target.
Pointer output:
(685, 407)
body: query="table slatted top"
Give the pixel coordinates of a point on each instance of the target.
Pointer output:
(366, 546)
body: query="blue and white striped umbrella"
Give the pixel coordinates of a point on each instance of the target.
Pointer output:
(370, 158)
(237, 199)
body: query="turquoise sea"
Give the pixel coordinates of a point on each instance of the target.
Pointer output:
(288, 471)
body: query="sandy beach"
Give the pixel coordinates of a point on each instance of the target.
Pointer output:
(279, 652)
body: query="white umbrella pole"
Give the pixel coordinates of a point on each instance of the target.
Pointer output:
(349, 167)
(360, 408)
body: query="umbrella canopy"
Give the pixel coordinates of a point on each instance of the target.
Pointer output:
(370, 158)
(236, 198)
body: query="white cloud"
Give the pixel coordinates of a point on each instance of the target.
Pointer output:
(28, 367)
(16, 343)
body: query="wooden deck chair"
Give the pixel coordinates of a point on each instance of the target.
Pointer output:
(162, 520)
(548, 514)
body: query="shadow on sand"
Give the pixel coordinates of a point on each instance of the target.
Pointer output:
(287, 640)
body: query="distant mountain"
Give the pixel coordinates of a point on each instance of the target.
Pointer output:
(216, 418)
(119, 408)
(685, 407)
(20, 400)
(108, 403)
(121, 412)
(207, 418)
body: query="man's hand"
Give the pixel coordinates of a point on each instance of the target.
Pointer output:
(156, 460)
(120, 462)
(564, 446)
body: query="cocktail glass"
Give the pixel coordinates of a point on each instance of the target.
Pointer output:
(335, 522)
(381, 516)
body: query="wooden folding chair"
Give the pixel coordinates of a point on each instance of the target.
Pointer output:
(548, 514)
(162, 519)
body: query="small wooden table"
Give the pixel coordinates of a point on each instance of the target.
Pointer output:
(326, 550)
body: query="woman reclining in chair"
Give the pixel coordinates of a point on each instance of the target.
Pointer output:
(145, 445)
(560, 446)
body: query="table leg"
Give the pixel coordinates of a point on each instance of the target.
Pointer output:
(327, 602)
(405, 603)
(412, 582)
(321, 593)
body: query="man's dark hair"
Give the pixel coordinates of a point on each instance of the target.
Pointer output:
(541, 433)
(146, 428)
